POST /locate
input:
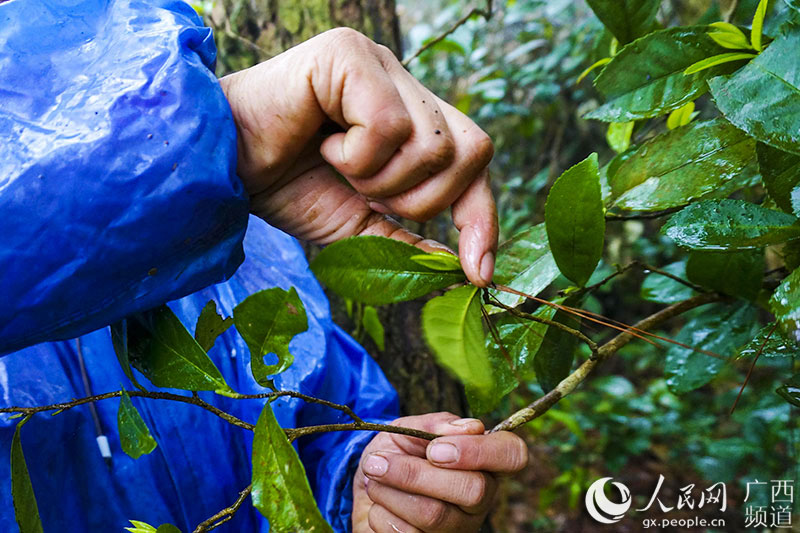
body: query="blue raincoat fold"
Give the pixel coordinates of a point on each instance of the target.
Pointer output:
(117, 193)
(118, 189)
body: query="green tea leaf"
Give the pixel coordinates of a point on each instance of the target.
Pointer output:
(700, 160)
(715, 60)
(681, 116)
(790, 391)
(645, 79)
(438, 261)
(626, 19)
(781, 174)
(452, 326)
(618, 135)
(553, 360)
(167, 528)
(376, 271)
(280, 487)
(729, 36)
(119, 339)
(785, 304)
(771, 343)
(140, 527)
(372, 325)
(763, 98)
(26, 511)
(162, 349)
(210, 325)
(524, 263)
(758, 24)
(134, 436)
(665, 290)
(720, 330)
(734, 273)
(575, 220)
(267, 321)
(730, 225)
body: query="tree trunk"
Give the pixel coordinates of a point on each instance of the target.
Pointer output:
(251, 31)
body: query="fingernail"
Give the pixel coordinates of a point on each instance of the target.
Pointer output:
(443, 452)
(464, 421)
(487, 267)
(375, 465)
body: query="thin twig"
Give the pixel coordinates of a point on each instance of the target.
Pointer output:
(752, 366)
(485, 13)
(305, 397)
(193, 400)
(295, 433)
(571, 382)
(291, 433)
(645, 266)
(225, 514)
(614, 217)
(731, 10)
(563, 327)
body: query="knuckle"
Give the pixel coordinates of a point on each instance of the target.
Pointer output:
(408, 475)
(394, 123)
(440, 152)
(432, 513)
(482, 147)
(346, 36)
(518, 454)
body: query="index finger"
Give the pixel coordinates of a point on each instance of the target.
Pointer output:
(502, 452)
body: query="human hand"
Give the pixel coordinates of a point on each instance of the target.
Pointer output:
(403, 151)
(408, 485)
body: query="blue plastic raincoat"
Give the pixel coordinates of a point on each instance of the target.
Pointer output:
(117, 193)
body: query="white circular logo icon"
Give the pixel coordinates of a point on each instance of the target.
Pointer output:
(601, 508)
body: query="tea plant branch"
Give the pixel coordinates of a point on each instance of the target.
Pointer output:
(194, 400)
(305, 397)
(646, 267)
(591, 288)
(571, 382)
(225, 514)
(527, 316)
(485, 13)
(295, 433)
(291, 433)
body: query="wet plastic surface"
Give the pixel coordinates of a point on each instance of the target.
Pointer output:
(117, 164)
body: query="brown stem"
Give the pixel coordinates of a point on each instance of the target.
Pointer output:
(291, 433)
(295, 433)
(485, 13)
(673, 277)
(194, 400)
(571, 382)
(305, 397)
(527, 316)
(225, 514)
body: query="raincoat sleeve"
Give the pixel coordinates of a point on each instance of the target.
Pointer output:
(351, 378)
(118, 189)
